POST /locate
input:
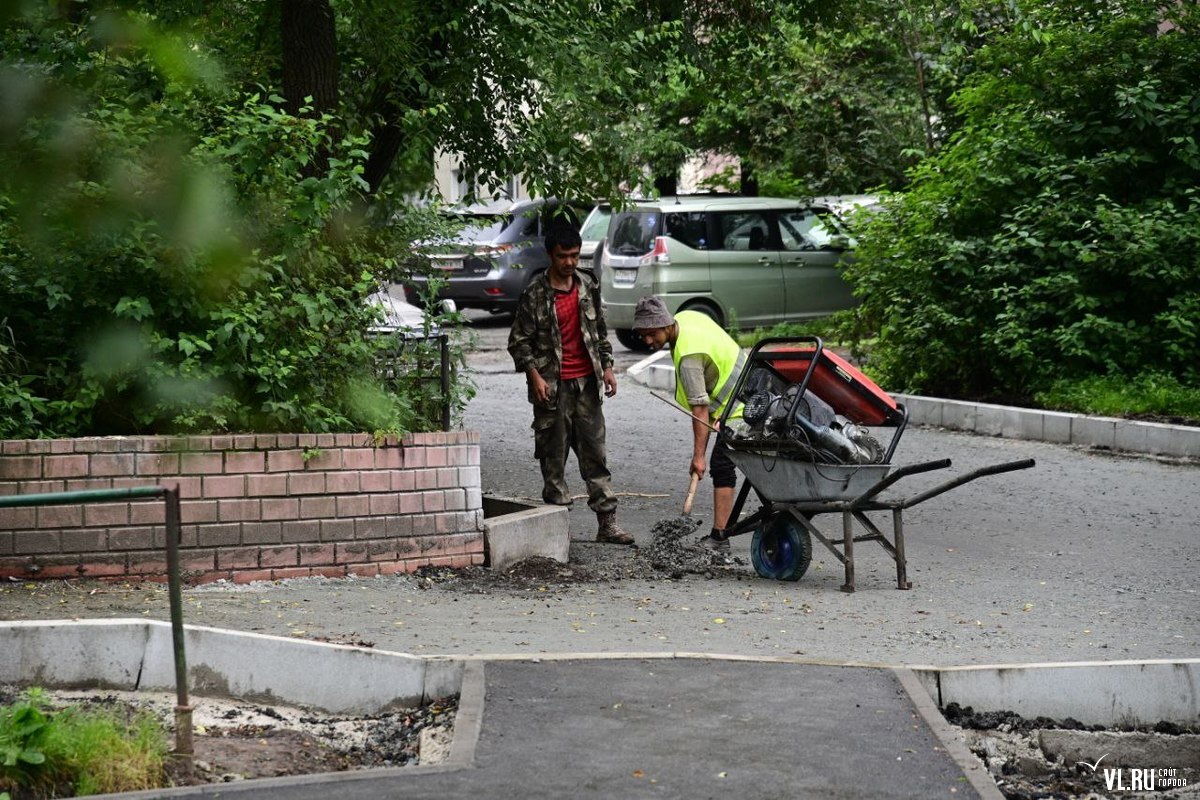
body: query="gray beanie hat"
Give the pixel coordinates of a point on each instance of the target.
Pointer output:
(651, 312)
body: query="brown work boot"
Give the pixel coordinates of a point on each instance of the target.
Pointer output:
(609, 532)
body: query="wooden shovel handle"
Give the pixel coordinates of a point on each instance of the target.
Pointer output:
(691, 494)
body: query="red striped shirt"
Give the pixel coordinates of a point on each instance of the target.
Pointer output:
(575, 361)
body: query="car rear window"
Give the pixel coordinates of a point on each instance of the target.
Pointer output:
(481, 228)
(631, 233)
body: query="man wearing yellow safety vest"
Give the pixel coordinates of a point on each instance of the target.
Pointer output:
(707, 362)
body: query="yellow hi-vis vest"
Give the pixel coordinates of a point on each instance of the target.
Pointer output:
(699, 334)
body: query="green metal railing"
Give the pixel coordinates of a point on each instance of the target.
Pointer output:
(183, 709)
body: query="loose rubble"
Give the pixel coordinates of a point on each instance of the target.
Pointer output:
(1028, 760)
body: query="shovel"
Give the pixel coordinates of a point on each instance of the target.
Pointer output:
(691, 495)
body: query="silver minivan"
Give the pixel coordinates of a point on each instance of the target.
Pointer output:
(747, 262)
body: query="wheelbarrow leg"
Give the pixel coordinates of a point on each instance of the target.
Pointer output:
(902, 581)
(848, 549)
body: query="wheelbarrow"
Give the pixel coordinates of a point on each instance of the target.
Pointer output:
(810, 470)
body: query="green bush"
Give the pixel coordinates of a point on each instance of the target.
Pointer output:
(178, 255)
(1057, 236)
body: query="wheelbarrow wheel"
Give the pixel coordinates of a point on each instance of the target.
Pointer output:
(781, 549)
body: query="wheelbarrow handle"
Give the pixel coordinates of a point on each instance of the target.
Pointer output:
(908, 469)
(994, 469)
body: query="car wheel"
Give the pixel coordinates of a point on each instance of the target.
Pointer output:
(781, 549)
(707, 309)
(631, 341)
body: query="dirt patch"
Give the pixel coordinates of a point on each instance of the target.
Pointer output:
(671, 554)
(1025, 766)
(234, 741)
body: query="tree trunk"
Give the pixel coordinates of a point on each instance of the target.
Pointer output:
(310, 59)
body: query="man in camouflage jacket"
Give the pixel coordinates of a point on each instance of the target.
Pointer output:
(560, 341)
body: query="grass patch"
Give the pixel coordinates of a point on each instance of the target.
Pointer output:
(826, 328)
(1149, 395)
(78, 750)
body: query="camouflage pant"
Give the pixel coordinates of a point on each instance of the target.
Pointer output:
(576, 422)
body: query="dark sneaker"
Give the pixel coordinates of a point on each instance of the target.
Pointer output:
(720, 553)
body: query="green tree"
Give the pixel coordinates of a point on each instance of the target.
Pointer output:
(1057, 235)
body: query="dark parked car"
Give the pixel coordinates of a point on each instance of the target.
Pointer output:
(496, 254)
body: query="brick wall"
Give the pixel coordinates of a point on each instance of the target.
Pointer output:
(253, 507)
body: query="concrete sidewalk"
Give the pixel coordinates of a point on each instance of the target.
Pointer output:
(694, 728)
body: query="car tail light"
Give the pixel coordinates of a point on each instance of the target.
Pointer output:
(659, 254)
(494, 291)
(493, 249)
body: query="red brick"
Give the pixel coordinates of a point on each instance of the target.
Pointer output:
(65, 466)
(133, 539)
(318, 507)
(337, 530)
(433, 501)
(266, 441)
(370, 527)
(395, 568)
(148, 564)
(157, 463)
(301, 531)
(84, 541)
(198, 511)
(248, 461)
(21, 517)
(318, 554)
(436, 457)
(363, 570)
(285, 461)
(42, 487)
(37, 446)
(389, 458)
(342, 482)
(351, 552)
(15, 447)
(234, 510)
(283, 441)
(279, 556)
(280, 508)
(220, 443)
(326, 440)
(328, 572)
(456, 499)
(374, 481)
(425, 478)
(447, 477)
(384, 504)
(102, 568)
(237, 558)
(404, 481)
(20, 467)
(152, 513)
(319, 460)
(266, 485)
(291, 572)
(189, 487)
(361, 458)
(414, 457)
(219, 535)
(210, 577)
(262, 533)
(352, 506)
(197, 560)
(306, 441)
(302, 483)
(410, 503)
(243, 441)
(251, 575)
(200, 463)
(60, 516)
(399, 526)
(225, 486)
(87, 484)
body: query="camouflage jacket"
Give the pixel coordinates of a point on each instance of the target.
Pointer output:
(535, 340)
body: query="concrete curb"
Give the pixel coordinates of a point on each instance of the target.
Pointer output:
(1109, 433)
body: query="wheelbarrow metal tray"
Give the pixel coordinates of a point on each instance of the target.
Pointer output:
(782, 478)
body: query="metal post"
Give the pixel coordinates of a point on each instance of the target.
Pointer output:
(183, 709)
(902, 581)
(848, 549)
(444, 341)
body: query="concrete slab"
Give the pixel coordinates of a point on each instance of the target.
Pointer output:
(515, 530)
(1094, 432)
(1122, 749)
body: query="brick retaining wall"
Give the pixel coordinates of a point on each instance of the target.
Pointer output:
(253, 507)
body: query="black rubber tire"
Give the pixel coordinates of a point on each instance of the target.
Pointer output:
(631, 341)
(707, 309)
(781, 549)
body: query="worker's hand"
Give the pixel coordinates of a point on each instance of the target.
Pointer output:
(610, 383)
(541, 389)
(698, 466)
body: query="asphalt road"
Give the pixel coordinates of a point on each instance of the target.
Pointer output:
(1087, 556)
